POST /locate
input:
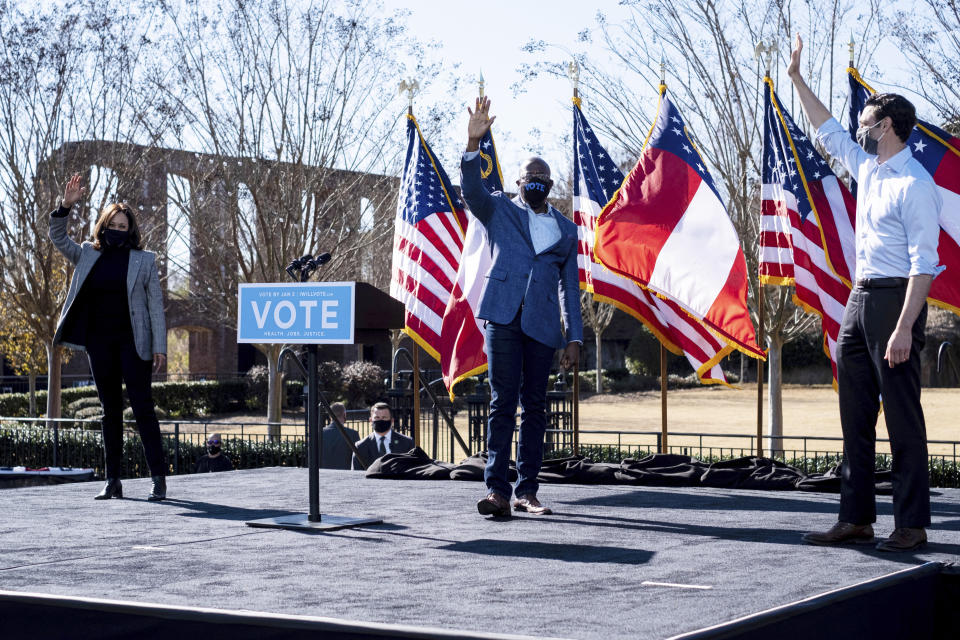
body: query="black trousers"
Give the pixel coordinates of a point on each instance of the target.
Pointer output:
(114, 362)
(864, 377)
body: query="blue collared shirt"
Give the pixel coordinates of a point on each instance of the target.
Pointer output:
(898, 207)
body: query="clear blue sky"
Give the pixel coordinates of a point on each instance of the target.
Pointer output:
(489, 36)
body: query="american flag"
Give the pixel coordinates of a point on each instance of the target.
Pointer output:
(806, 223)
(427, 242)
(667, 228)
(939, 153)
(462, 337)
(595, 180)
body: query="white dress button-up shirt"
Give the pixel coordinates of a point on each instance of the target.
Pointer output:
(898, 208)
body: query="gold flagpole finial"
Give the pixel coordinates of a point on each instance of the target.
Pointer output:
(480, 82)
(573, 72)
(851, 47)
(410, 87)
(765, 53)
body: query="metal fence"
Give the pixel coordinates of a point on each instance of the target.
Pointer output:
(801, 448)
(38, 442)
(66, 442)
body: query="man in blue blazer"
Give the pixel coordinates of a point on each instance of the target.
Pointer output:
(532, 284)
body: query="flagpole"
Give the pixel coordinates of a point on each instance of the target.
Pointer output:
(663, 399)
(761, 317)
(573, 72)
(410, 87)
(576, 409)
(762, 52)
(664, 447)
(416, 394)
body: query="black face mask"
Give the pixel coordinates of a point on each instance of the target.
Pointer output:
(867, 143)
(212, 450)
(115, 237)
(381, 426)
(535, 192)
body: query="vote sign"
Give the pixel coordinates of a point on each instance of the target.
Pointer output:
(296, 313)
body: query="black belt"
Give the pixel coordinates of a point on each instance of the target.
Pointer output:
(881, 283)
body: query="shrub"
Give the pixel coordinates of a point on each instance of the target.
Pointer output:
(33, 447)
(199, 398)
(70, 410)
(256, 383)
(128, 414)
(294, 391)
(363, 383)
(88, 413)
(17, 405)
(331, 378)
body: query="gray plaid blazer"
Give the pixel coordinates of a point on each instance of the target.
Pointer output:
(144, 295)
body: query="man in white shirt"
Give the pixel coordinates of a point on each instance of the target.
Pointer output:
(883, 327)
(384, 439)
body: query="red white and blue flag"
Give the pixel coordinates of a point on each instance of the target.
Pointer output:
(462, 334)
(939, 153)
(668, 230)
(427, 243)
(806, 223)
(596, 178)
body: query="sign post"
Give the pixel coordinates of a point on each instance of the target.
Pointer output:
(310, 313)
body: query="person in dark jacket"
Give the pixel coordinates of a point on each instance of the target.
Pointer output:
(114, 311)
(214, 459)
(335, 453)
(384, 439)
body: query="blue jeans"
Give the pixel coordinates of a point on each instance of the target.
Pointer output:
(518, 370)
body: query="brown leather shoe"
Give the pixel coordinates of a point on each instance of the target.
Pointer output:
(904, 539)
(841, 533)
(530, 504)
(494, 505)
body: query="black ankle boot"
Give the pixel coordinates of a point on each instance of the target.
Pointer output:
(159, 489)
(112, 489)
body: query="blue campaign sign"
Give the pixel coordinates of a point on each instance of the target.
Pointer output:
(296, 313)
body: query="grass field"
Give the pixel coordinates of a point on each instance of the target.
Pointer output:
(807, 411)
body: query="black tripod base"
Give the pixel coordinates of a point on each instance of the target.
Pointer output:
(300, 522)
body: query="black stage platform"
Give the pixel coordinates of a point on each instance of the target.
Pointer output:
(614, 561)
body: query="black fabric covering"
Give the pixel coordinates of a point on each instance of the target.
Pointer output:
(659, 469)
(413, 465)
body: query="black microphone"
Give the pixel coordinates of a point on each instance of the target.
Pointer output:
(321, 259)
(293, 269)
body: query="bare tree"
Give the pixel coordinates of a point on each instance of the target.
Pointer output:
(596, 315)
(707, 49)
(929, 35)
(68, 72)
(288, 103)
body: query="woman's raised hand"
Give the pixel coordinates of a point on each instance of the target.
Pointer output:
(73, 191)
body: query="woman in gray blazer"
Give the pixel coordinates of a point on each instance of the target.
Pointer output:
(114, 311)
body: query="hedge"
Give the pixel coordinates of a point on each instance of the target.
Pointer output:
(33, 447)
(176, 399)
(621, 380)
(17, 405)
